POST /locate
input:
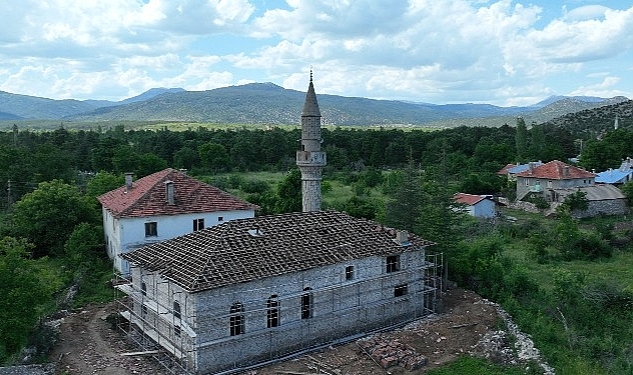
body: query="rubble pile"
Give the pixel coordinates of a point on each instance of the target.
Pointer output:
(391, 352)
(524, 346)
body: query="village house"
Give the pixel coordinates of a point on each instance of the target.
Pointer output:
(162, 206)
(544, 179)
(555, 181)
(482, 206)
(257, 289)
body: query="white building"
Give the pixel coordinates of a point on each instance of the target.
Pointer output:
(162, 206)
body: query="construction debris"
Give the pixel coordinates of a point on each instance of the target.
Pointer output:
(391, 352)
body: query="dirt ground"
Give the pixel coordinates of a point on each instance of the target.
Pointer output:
(88, 344)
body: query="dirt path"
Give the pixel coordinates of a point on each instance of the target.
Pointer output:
(88, 345)
(468, 326)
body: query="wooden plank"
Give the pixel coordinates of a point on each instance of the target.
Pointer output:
(140, 353)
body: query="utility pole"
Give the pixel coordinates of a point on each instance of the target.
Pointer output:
(9, 200)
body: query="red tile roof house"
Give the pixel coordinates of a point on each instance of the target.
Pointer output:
(247, 291)
(555, 180)
(477, 205)
(162, 206)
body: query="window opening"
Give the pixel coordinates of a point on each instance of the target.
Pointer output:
(143, 288)
(393, 263)
(400, 290)
(198, 224)
(272, 311)
(177, 331)
(151, 229)
(349, 272)
(237, 319)
(176, 310)
(306, 304)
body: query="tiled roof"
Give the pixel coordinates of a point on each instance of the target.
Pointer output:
(243, 250)
(556, 170)
(147, 197)
(468, 199)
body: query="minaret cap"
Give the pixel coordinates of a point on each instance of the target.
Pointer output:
(311, 106)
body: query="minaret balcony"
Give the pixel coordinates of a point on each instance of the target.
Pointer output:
(311, 159)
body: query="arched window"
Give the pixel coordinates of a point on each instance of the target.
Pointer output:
(306, 304)
(272, 311)
(237, 319)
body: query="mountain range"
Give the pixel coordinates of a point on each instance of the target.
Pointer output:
(267, 103)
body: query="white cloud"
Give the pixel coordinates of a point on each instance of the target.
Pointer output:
(501, 51)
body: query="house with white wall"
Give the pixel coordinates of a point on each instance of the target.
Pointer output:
(162, 206)
(251, 290)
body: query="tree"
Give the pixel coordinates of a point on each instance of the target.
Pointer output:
(521, 141)
(47, 216)
(214, 156)
(289, 193)
(104, 182)
(576, 201)
(81, 244)
(24, 291)
(627, 189)
(404, 207)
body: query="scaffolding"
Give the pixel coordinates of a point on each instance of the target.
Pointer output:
(172, 339)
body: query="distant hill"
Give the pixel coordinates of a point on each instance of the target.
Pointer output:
(33, 107)
(597, 119)
(267, 103)
(149, 94)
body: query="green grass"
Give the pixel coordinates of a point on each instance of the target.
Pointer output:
(476, 366)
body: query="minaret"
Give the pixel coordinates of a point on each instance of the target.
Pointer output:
(310, 159)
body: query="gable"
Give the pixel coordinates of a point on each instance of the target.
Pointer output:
(148, 197)
(248, 249)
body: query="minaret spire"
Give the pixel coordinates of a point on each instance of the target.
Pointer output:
(310, 159)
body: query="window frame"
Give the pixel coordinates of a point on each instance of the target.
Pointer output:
(272, 312)
(198, 224)
(151, 229)
(392, 263)
(307, 304)
(400, 290)
(349, 273)
(236, 320)
(177, 310)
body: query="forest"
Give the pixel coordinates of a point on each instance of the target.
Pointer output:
(563, 280)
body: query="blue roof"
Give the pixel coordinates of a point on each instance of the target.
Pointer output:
(523, 167)
(613, 176)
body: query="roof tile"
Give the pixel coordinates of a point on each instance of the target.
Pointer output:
(147, 197)
(557, 170)
(247, 249)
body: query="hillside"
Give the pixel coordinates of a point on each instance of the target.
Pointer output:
(267, 103)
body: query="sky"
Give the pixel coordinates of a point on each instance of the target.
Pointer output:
(501, 52)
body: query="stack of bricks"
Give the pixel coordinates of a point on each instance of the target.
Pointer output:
(389, 353)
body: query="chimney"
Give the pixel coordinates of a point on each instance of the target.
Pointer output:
(402, 238)
(128, 180)
(169, 192)
(183, 171)
(531, 165)
(566, 171)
